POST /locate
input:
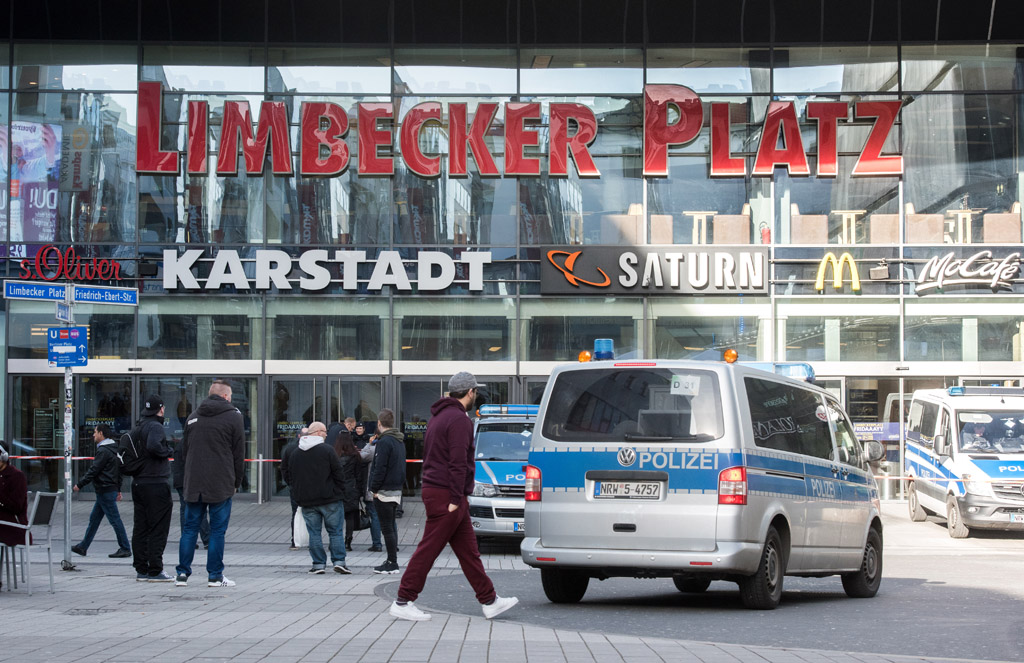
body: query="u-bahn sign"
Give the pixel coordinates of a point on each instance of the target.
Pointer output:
(639, 271)
(673, 115)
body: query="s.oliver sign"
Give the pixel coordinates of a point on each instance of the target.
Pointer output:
(673, 115)
(661, 271)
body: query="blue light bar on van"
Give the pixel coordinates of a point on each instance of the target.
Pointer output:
(604, 348)
(955, 391)
(795, 370)
(509, 410)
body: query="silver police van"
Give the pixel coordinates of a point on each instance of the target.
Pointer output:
(697, 471)
(502, 442)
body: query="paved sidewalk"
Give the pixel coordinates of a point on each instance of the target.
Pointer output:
(279, 613)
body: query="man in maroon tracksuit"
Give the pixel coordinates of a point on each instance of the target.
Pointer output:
(448, 471)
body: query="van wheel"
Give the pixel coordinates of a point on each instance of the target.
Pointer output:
(564, 586)
(763, 590)
(691, 585)
(863, 584)
(954, 520)
(917, 512)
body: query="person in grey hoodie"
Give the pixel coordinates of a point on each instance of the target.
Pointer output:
(213, 455)
(320, 485)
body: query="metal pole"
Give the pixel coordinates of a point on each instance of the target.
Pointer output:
(259, 480)
(69, 432)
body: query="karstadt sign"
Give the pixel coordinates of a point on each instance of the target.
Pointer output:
(316, 269)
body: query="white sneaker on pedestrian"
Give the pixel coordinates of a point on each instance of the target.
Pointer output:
(223, 582)
(499, 606)
(408, 611)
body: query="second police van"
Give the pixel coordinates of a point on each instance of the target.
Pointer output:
(501, 439)
(965, 457)
(697, 471)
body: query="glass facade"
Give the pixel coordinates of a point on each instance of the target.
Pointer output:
(69, 123)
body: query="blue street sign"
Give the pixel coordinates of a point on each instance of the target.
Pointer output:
(65, 313)
(67, 346)
(98, 294)
(34, 290)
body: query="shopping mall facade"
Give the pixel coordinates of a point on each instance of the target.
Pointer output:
(336, 205)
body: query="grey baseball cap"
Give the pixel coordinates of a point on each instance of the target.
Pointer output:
(463, 381)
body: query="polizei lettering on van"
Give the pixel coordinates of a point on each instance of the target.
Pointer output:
(678, 460)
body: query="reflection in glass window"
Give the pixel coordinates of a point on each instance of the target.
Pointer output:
(111, 329)
(202, 208)
(839, 69)
(75, 67)
(710, 70)
(705, 327)
(454, 329)
(849, 337)
(335, 329)
(581, 70)
(455, 70)
(329, 71)
(92, 196)
(205, 68)
(343, 209)
(788, 418)
(199, 328)
(558, 329)
(933, 338)
(943, 67)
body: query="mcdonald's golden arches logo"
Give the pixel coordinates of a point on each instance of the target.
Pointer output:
(837, 272)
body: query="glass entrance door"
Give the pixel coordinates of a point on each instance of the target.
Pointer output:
(101, 400)
(296, 403)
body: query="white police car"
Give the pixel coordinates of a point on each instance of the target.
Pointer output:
(697, 471)
(965, 457)
(502, 440)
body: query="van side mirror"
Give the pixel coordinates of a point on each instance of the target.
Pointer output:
(942, 445)
(874, 451)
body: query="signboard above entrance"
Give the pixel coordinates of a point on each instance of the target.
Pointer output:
(673, 115)
(655, 271)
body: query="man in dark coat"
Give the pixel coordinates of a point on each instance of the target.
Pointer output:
(13, 501)
(213, 453)
(151, 494)
(178, 473)
(321, 485)
(448, 472)
(105, 475)
(387, 476)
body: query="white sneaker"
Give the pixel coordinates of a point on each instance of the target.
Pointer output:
(499, 606)
(223, 582)
(408, 611)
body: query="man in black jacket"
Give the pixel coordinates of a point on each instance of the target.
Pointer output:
(105, 474)
(321, 486)
(213, 453)
(387, 476)
(151, 493)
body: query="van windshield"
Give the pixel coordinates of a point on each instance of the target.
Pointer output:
(503, 441)
(991, 431)
(634, 404)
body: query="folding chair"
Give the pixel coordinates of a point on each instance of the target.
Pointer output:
(40, 514)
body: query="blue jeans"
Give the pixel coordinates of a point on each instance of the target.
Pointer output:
(106, 505)
(204, 524)
(331, 516)
(220, 514)
(371, 511)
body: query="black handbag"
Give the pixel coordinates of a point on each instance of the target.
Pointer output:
(363, 522)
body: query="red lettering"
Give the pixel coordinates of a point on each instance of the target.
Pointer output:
(43, 263)
(517, 135)
(827, 114)
(273, 124)
(149, 158)
(26, 269)
(312, 137)
(658, 133)
(370, 138)
(560, 142)
(871, 161)
(457, 139)
(781, 120)
(418, 115)
(723, 164)
(198, 146)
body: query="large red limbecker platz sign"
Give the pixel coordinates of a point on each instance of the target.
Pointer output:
(572, 128)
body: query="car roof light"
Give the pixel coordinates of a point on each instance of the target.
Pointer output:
(795, 369)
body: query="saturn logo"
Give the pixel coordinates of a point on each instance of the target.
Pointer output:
(627, 456)
(567, 269)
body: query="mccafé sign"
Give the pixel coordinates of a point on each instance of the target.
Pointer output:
(615, 271)
(572, 127)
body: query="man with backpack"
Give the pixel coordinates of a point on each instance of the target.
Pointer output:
(213, 455)
(105, 475)
(151, 491)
